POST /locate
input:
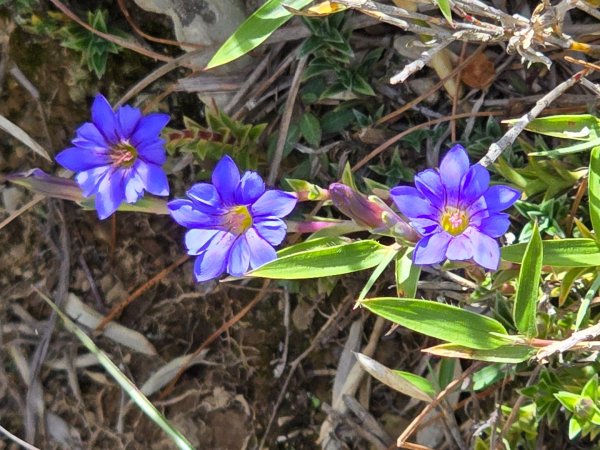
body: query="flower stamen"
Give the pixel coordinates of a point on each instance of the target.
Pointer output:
(237, 220)
(123, 154)
(454, 221)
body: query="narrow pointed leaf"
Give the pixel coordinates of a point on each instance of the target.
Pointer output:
(441, 321)
(255, 30)
(594, 190)
(505, 354)
(524, 311)
(407, 275)
(560, 253)
(131, 389)
(403, 382)
(392, 252)
(324, 262)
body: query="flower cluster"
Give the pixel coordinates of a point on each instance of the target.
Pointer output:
(234, 222)
(117, 156)
(456, 211)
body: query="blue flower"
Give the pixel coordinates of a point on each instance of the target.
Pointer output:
(117, 156)
(456, 211)
(234, 222)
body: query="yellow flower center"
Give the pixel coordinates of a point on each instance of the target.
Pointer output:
(123, 154)
(454, 221)
(238, 220)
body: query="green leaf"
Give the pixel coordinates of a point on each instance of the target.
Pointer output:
(444, 6)
(582, 127)
(560, 253)
(568, 150)
(441, 321)
(567, 282)
(403, 382)
(131, 389)
(310, 129)
(407, 275)
(505, 354)
(312, 244)
(574, 428)
(255, 30)
(392, 252)
(487, 376)
(568, 399)
(324, 262)
(594, 190)
(524, 311)
(586, 302)
(336, 120)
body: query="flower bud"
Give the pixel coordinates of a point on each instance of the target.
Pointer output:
(40, 182)
(370, 212)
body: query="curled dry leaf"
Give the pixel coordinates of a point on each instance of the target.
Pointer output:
(479, 73)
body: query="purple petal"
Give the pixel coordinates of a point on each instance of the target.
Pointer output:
(412, 204)
(153, 153)
(186, 214)
(486, 252)
(197, 240)
(111, 193)
(134, 187)
(425, 225)
(274, 203)
(474, 184)
(78, 159)
(495, 225)
(460, 248)
(453, 168)
(500, 197)
(104, 118)
(260, 250)
(88, 136)
(206, 197)
(213, 261)
(148, 129)
(226, 178)
(89, 180)
(239, 258)
(271, 229)
(429, 184)
(432, 249)
(251, 187)
(127, 119)
(153, 177)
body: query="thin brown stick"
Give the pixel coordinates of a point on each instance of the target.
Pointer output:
(155, 75)
(510, 136)
(138, 292)
(148, 37)
(581, 190)
(514, 413)
(286, 119)
(226, 326)
(429, 123)
(34, 201)
(109, 37)
(414, 425)
(457, 93)
(434, 88)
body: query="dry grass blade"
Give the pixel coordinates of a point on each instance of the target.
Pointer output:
(14, 438)
(30, 204)
(20, 135)
(90, 318)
